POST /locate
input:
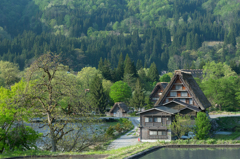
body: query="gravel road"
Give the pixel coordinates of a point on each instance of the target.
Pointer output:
(127, 139)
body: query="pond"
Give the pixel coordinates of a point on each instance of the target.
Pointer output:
(196, 153)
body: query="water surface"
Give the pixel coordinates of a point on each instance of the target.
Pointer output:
(190, 153)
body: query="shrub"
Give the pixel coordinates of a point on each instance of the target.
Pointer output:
(110, 131)
(20, 138)
(118, 128)
(203, 125)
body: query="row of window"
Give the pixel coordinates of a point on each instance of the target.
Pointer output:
(183, 94)
(151, 132)
(153, 119)
(178, 87)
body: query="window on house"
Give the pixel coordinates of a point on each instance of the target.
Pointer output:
(162, 133)
(146, 119)
(167, 100)
(173, 94)
(190, 101)
(152, 132)
(150, 119)
(157, 119)
(178, 87)
(183, 100)
(184, 94)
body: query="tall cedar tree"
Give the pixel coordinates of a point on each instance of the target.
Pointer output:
(100, 64)
(99, 99)
(138, 99)
(153, 73)
(120, 68)
(129, 67)
(139, 64)
(107, 70)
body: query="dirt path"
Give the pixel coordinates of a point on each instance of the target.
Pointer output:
(127, 139)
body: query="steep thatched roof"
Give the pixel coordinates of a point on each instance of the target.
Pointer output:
(192, 87)
(159, 85)
(121, 105)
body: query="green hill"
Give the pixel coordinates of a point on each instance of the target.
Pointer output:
(105, 28)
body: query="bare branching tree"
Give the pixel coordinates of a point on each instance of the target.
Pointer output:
(54, 95)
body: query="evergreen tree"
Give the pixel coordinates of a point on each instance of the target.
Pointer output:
(99, 99)
(226, 39)
(153, 74)
(139, 64)
(129, 67)
(189, 42)
(100, 64)
(120, 68)
(196, 43)
(148, 103)
(106, 71)
(232, 38)
(138, 99)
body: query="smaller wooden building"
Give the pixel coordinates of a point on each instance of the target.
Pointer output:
(119, 109)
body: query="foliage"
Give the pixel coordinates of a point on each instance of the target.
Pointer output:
(22, 138)
(225, 96)
(148, 103)
(110, 131)
(153, 73)
(8, 73)
(215, 71)
(120, 91)
(13, 134)
(118, 128)
(99, 99)
(165, 78)
(181, 125)
(55, 94)
(228, 123)
(86, 75)
(138, 99)
(203, 125)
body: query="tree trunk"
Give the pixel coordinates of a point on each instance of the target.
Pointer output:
(52, 135)
(54, 144)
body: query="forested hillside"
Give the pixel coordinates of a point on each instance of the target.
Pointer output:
(172, 33)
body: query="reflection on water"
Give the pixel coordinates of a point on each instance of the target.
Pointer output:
(189, 153)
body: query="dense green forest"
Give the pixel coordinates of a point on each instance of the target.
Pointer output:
(172, 33)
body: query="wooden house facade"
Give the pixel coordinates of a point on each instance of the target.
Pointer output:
(182, 95)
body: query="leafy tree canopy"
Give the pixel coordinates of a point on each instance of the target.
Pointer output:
(120, 91)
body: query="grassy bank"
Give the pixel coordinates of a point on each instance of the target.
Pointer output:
(232, 136)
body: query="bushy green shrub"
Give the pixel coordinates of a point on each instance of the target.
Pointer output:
(110, 131)
(118, 128)
(20, 138)
(203, 126)
(127, 124)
